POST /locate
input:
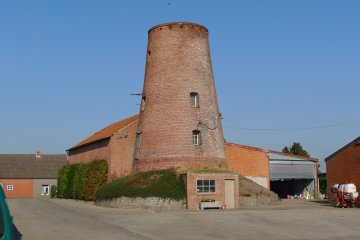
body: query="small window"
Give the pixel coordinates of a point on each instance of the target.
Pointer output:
(196, 137)
(194, 99)
(10, 187)
(137, 145)
(205, 186)
(143, 101)
(44, 189)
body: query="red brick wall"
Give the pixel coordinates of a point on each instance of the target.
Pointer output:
(193, 198)
(87, 153)
(178, 63)
(122, 151)
(248, 161)
(23, 188)
(344, 167)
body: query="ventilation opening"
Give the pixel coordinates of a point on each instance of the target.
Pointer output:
(149, 53)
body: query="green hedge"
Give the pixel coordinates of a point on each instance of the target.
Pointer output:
(53, 191)
(160, 183)
(62, 181)
(80, 181)
(322, 184)
(97, 173)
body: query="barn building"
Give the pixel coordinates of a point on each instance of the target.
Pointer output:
(293, 175)
(29, 175)
(115, 143)
(343, 166)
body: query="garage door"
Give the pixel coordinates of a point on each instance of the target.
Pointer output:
(292, 170)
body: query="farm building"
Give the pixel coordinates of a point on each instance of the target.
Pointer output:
(292, 174)
(343, 166)
(179, 122)
(29, 175)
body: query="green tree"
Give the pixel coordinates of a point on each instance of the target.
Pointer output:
(296, 149)
(322, 184)
(285, 150)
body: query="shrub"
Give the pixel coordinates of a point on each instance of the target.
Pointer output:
(53, 191)
(322, 184)
(80, 181)
(208, 199)
(97, 172)
(160, 183)
(72, 169)
(62, 181)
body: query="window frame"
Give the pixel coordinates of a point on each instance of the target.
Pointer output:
(194, 99)
(143, 103)
(196, 137)
(137, 145)
(206, 186)
(10, 187)
(44, 186)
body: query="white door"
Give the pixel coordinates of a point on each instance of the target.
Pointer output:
(230, 193)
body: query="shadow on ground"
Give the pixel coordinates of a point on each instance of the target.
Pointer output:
(321, 202)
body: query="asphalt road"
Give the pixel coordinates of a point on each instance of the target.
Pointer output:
(68, 219)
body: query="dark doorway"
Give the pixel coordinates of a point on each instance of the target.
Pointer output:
(283, 187)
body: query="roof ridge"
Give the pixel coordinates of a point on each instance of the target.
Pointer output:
(292, 155)
(246, 146)
(353, 142)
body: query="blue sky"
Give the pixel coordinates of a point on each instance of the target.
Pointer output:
(67, 69)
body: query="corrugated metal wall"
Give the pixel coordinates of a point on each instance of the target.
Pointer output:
(292, 170)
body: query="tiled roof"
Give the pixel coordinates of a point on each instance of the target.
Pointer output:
(106, 132)
(274, 155)
(246, 147)
(27, 166)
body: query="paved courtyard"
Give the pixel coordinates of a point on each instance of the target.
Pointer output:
(294, 219)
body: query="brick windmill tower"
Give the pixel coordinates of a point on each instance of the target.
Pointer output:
(180, 123)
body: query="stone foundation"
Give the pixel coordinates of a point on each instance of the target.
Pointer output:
(152, 203)
(258, 201)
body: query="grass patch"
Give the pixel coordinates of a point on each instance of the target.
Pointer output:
(159, 183)
(201, 169)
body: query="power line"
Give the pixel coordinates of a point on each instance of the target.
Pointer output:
(295, 129)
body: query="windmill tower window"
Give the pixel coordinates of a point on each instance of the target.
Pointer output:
(137, 145)
(196, 137)
(194, 99)
(143, 102)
